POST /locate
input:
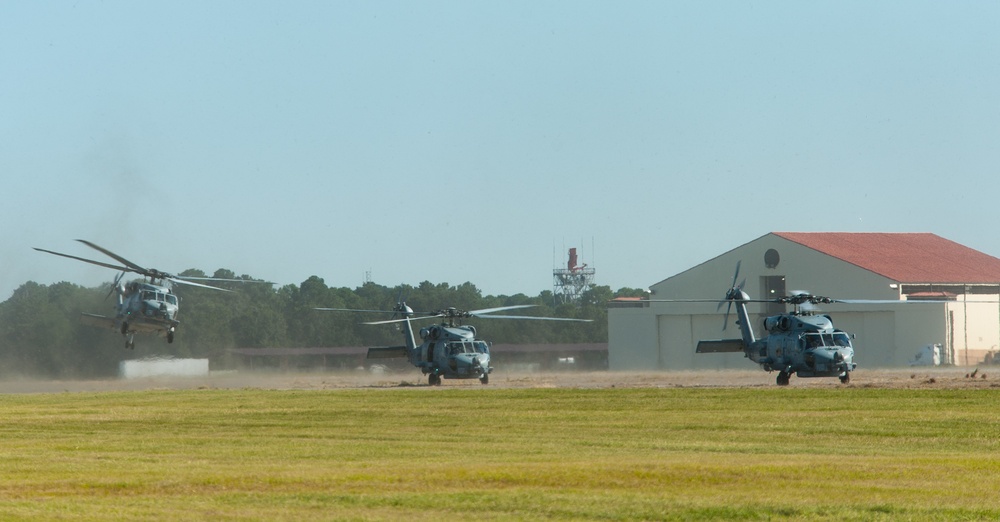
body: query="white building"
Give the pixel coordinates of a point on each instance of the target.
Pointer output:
(907, 269)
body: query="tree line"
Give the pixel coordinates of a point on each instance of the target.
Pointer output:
(41, 335)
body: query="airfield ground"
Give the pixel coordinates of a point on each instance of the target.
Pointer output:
(529, 446)
(913, 378)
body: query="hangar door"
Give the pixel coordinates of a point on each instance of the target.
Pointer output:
(875, 337)
(678, 338)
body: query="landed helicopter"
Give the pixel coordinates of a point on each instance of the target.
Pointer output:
(801, 342)
(448, 350)
(143, 306)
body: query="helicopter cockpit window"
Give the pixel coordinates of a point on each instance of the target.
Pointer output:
(148, 296)
(813, 340)
(458, 347)
(817, 340)
(171, 299)
(481, 347)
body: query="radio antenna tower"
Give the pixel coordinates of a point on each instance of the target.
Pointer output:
(571, 282)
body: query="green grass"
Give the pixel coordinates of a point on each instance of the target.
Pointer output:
(501, 454)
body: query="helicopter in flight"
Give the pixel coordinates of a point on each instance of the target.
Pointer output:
(449, 349)
(801, 342)
(147, 306)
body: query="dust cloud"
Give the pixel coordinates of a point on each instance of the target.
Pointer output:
(924, 378)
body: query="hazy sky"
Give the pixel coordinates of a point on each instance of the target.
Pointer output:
(477, 141)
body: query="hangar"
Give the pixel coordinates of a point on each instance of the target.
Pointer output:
(933, 291)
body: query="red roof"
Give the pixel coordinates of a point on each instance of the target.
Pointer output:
(905, 258)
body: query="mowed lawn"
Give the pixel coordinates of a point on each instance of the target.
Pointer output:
(475, 453)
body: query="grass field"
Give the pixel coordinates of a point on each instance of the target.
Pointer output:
(501, 454)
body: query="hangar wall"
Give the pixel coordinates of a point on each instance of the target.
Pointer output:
(633, 331)
(804, 269)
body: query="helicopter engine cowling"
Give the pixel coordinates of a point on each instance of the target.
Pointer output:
(431, 332)
(777, 323)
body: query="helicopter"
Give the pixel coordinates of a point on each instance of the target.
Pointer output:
(146, 306)
(801, 342)
(448, 350)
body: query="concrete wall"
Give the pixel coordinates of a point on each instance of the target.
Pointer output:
(975, 329)
(632, 331)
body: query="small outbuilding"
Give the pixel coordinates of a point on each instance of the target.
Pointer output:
(930, 291)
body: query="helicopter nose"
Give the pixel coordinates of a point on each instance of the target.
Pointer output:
(841, 360)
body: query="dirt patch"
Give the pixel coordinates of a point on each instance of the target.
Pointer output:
(924, 378)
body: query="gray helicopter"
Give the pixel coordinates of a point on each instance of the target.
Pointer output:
(448, 350)
(801, 342)
(143, 306)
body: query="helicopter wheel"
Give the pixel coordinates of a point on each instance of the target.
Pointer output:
(846, 378)
(170, 337)
(433, 380)
(485, 379)
(124, 327)
(783, 379)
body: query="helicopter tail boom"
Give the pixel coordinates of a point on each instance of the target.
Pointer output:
(387, 352)
(720, 346)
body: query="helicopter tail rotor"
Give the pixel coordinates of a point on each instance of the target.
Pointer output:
(400, 309)
(735, 293)
(116, 286)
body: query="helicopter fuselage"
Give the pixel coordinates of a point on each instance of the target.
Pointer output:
(145, 308)
(804, 344)
(451, 352)
(144, 302)
(142, 306)
(447, 350)
(800, 342)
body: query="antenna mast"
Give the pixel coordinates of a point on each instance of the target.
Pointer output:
(571, 282)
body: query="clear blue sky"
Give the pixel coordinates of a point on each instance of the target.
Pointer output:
(477, 141)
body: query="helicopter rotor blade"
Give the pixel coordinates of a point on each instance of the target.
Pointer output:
(219, 279)
(532, 317)
(452, 314)
(192, 283)
(902, 301)
(390, 321)
(731, 295)
(355, 310)
(400, 304)
(725, 319)
(116, 257)
(498, 309)
(91, 261)
(189, 279)
(412, 314)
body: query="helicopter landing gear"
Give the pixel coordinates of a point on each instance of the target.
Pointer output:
(170, 336)
(846, 378)
(434, 380)
(783, 378)
(485, 379)
(124, 327)
(130, 341)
